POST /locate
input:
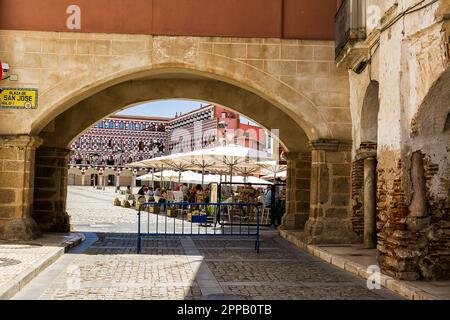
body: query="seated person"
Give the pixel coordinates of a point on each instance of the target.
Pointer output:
(198, 188)
(163, 197)
(207, 195)
(191, 195)
(157, 192)
(141, 191)
(149, 192)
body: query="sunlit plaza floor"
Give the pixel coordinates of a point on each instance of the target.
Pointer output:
(106, 265)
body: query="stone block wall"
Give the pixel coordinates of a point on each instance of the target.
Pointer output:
(16, 187)
(330, 209)
(297, 190)
(300, 75)
(51, 189)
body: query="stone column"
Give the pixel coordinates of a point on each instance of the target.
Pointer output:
(117, 180)
(51, 189)
(370, 203)
(83, 178)
(366, 150)
(133, 182)
(330, 213)
(297, 190)
(104, 179)
(17, 156)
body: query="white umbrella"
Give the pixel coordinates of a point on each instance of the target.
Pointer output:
(229, 156)
(271, 167)
(281, 175)
(166, 175)
(216, 158)
(158, 166)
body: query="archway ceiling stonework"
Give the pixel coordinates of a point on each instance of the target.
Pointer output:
(122, 95)
(296, 81)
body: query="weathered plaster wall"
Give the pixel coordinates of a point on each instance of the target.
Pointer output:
(411, 66)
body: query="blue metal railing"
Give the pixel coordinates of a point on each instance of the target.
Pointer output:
(199, 219)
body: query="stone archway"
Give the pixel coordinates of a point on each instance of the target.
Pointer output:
(311, 107)
(52, 155)
(369, 114)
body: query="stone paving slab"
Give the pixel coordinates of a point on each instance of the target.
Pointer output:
(106, 266)
(192, 276)
(356, 260)
(21, 261)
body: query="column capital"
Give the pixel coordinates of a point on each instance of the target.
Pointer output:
(20, 141)
(297, 155)
(366, 154)
(331, 145)
(366, 150)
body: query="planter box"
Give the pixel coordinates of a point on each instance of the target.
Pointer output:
(190, 214)
(199, 218)
(154, 209)
(138, 205)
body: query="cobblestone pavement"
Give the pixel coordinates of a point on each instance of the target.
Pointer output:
(107, 267)
(18, 258)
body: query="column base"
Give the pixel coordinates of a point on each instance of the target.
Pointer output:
(294, 221)
(53, 221)
(20, 229)
(324, 230)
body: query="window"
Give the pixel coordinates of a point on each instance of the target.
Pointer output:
(100, 125)
(121, 126)
(111, 124)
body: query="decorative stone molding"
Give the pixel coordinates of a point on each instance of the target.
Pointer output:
(331, 145)
(366, 150)
(20, 141)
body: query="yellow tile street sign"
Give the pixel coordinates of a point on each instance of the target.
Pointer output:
(18, 98)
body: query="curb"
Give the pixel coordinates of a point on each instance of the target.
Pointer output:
(9, 289)
(406, 290)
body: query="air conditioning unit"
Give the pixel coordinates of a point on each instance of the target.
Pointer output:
(4, 72)
(350, 23)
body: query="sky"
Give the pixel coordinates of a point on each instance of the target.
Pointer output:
(167, 109)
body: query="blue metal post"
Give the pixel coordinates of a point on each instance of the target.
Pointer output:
(139, 232)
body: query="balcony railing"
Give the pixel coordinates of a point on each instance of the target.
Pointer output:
(350, 24)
